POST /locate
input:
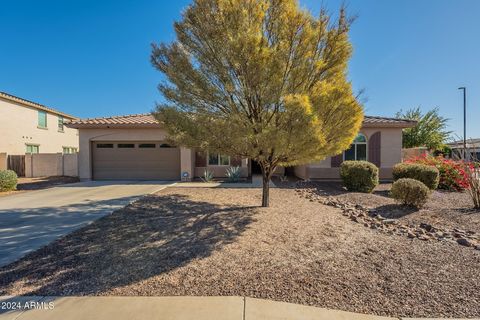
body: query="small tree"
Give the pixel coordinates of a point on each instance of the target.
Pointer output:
(261, 79)
(429, 132)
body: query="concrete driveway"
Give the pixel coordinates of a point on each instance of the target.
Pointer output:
(33, 219)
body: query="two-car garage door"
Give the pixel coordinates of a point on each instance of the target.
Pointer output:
(142, 160)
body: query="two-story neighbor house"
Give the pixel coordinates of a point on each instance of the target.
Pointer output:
(29, 127)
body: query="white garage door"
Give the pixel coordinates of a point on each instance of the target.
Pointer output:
(142, 160)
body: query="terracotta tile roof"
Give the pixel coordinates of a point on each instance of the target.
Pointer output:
(372, 121)
(147, 120)
(18, 100)
(132, 120)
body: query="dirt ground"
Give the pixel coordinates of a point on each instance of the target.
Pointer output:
(202, 241)
(43, 182)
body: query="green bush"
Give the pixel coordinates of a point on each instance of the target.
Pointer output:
(233, 174)
(8, 180)
(361, 176)
(429, 175)
(410, 192)
(207, 176)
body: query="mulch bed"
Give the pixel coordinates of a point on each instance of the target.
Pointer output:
(202, 241)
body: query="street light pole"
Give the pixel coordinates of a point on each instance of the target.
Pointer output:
(464, 122)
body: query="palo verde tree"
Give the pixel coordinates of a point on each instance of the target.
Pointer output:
(262, 79)
(430, 130)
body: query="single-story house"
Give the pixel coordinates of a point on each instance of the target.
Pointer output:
(135, 147)
(473, 149)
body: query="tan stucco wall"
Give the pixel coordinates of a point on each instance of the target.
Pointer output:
(390, 153)
(50, 164)
(3, 161)
(18, 127)
(220, 171)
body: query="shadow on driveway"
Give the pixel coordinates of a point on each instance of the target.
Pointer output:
(147, 238)
(26, 229)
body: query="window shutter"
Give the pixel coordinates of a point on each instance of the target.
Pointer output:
(200, 159)
(337, 160)
(374, 145)
(236, 161)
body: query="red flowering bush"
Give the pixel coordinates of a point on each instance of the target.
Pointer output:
(453, 176)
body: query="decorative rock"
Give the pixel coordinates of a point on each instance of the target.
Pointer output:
(371, 218)
(464, 242)
(424, 237)
(426, 226)
(390, 221)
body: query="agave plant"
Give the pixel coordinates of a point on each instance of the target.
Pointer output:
(207, 176)
(233, 174)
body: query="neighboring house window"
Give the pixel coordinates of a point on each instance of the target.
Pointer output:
(68, 150)
(60, 123)
(357, 150)
(32, 148)
(42, 119)
(215, 159)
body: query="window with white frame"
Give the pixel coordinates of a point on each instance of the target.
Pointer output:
(60, 124)
(357, 150)
(215, 159)
(32, 148)
(42, 119)
(68, 150)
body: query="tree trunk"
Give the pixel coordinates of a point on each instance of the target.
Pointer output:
(265, 191)
(267, 172)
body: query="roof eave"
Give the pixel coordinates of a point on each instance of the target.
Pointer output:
(23, 102)
(112, 126)
(389, 125)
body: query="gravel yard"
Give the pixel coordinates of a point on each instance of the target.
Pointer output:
(448, 209)
(202, 241)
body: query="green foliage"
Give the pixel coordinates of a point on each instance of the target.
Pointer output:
(207, 176)
(259, 79)
(410, 192)
(428, 175)
(233, 174)
(8, 180)
(429, 132)
(359, 176)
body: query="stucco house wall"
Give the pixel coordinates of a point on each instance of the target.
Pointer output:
(187, 156)
(384, 140)
(390, 154)
(19, 127)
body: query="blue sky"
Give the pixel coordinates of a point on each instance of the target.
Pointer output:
(91, 58)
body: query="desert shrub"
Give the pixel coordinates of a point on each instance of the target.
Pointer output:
(429, 175)
(361, 176)
(233, 174)
(410, 192)
(8, 180)
(207, 176)
(473, 179)
(452, 173)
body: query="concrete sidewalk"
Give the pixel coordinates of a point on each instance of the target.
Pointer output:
(165, 308)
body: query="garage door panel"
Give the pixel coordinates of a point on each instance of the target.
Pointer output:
(135, 163)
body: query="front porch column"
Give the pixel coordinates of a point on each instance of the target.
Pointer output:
(187, 161)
